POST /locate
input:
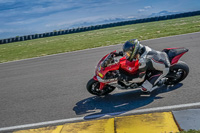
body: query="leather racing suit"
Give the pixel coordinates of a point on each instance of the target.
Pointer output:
(150, 60)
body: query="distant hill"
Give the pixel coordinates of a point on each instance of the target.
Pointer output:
(105, 21)
(162, 13)
(113, 20)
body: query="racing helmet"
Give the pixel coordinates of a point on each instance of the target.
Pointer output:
(131, 48)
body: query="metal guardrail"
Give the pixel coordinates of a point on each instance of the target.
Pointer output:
(89, 28)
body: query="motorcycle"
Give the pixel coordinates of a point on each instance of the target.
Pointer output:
(109, 68)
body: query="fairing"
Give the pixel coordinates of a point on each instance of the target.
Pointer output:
(124, 64)
(175, 54)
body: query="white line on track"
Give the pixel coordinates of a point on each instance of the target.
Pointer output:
(148, 110)
(97, 48)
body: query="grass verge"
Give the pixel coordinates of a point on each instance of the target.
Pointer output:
(97, 38)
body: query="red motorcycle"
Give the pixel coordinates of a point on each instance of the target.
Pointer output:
(109, 68)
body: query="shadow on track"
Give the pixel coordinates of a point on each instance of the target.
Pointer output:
(118, 103)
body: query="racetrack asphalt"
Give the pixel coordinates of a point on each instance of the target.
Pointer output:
(53, 87)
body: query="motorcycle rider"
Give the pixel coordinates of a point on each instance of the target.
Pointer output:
(149, 60)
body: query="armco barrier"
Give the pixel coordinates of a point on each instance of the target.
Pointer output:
(89, 28)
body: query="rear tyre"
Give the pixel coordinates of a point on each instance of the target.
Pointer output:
(93, 88)
(178, 72)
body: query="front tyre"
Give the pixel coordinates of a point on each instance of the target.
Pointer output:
(93, 88)
(178, 72)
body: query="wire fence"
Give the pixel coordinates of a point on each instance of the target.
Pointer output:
(89, 28)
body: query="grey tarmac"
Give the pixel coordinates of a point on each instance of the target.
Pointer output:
(54, 87)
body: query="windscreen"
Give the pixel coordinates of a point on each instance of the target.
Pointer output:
(108, 60)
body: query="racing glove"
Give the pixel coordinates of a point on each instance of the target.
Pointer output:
(118, 54)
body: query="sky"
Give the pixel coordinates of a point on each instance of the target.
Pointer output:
(25, 17)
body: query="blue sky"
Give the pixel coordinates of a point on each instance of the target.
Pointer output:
(24, 17)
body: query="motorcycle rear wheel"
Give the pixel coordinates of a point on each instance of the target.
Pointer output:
(178, 72)
(93, 88)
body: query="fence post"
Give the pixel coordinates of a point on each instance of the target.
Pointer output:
(17, 39)
(33, 36)
(10, 40)
(22, 38)
(5, 40)
(49, 34)
(25, 38)
(40, 35)
(66, 31)
(63, 32)
(13, 39)
(30, 37)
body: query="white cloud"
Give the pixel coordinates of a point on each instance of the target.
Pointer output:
(131, 17)
(146, 8)
(141, 10)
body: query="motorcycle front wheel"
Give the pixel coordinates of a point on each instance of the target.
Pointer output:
(93, 88)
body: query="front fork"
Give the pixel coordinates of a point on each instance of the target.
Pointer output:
(101, 84)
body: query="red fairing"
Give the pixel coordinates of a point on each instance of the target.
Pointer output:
(101, 86)
(130, 67)
(109, 68)
(176, 58)
(95, 78)
(104, 70)
(175, 54)
(173, 48)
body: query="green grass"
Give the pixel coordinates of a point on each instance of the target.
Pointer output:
(97, 38)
